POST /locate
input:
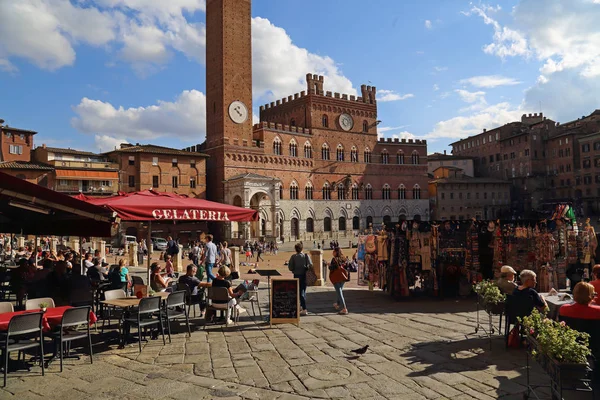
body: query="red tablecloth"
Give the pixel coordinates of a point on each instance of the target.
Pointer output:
(52, 317)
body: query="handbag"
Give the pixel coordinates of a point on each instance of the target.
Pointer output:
(514, 337)
(311, 276)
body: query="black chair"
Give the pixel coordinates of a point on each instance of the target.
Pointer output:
(516, 307)
(147, 314)
(190, 300)
(176, 299)
(72, 318)
(18, 337)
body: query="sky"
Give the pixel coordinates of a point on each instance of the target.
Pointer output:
(90, 74)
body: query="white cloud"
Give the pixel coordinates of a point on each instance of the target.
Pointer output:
(435, 87)
(428, 24)
(489, 81)
(390, 95)
(470, 97)
(385, 129)
(444, 95)
(7, 66)
(104, 143)
(438, 68)
(279, 66)
(184, 118)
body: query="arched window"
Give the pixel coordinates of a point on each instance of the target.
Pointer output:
(277, 146)
(326, 192)
(355, 223)
(386, 193)
(416, 192)
(368, 192)
(325, 121)
(308, 191)
(367, 155)
(415, 157)
(294, 191)
(293, 122)
(325, 151)
(401, 192)
(353, 154)
(339, 153)
(385, 157)
(355, 192)
(280, 189)
(369, 221)
(310, 225)
(400, 157)
(293, 149)
(327, 224)
(307, 150)
(341, 224)
(365, 126)
(341, 192)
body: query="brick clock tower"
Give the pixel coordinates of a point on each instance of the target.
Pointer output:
(228, 86)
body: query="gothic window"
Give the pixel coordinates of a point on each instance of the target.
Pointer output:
(368, 192)
(385, 157)
(365, 126)
(326, 192)
(294, 191)
(308, 192)
(341, 224)
(386, 192)
(280, 190)
(277, 146)
(325, 121)
(325, 151)
(327, 224)
(293, 122)
(401, 192)
(354, 192)
(367, 155)
(415, 157)
(293, 149)
(341, 192)
(416, 192)
(310, 225)
(400, 157)
(340, 153)
(353, 154)
(307, 150)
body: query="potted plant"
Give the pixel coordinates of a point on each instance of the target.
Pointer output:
(490, 297)
(43, 306)
(561, 351)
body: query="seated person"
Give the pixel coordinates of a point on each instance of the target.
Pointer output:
(506, 283)
(195, 284)
(528, 281)
(596, 282)
(583, 294)
(221, 281)
(96, 273)
(158, 283)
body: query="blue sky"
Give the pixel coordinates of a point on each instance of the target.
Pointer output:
(91, 74)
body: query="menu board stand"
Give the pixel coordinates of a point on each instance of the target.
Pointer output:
(268, 273)
(284, 302)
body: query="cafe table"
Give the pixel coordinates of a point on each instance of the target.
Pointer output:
(555, 303)
(52, 317)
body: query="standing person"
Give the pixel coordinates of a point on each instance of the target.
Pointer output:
(338, 276)
(210, 257)
(195, 252)
(169, 267)
(226, 261)
(300, 263)
(259, 251)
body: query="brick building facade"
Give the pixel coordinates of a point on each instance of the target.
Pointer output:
(313, 166)
(15, 155)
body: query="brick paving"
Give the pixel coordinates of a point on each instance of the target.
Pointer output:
(422, 349)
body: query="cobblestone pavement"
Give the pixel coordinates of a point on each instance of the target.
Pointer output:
(422, 349)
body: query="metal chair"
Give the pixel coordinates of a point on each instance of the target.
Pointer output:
(192, 301)
(34, 304)
(252, 298)
(515, 307)
(221, 295)
(145, 317)
(106, 309)
(176, 299)
(72, 318)
(6, 306)
(18, 337)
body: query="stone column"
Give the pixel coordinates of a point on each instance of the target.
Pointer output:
(102, 248)
(178, 260)
(316, 257)
(75, 245)
(53, 244)
(235, 257)
(20, 242)
(132, 255)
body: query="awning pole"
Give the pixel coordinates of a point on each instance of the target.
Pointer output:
(150, 249)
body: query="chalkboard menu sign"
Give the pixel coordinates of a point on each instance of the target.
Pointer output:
(285, 301)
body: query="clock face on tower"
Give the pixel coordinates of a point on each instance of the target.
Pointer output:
(346, 122)
(238, 112)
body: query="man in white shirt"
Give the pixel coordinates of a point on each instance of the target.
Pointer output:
(210, 257)
(88, 263)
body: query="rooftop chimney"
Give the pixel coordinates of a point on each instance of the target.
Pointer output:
(444, 152)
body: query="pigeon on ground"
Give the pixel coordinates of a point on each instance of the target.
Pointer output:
(362, 350)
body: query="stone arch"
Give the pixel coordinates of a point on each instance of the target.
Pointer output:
(310, 213)
(356, 212)
(369, 212)
(343, 213)
(328, 213)
(387, 211)
(295, 213)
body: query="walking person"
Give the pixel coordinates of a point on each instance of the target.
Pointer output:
(338, 275)
(300, 263)
(259, 251)
(210, 257)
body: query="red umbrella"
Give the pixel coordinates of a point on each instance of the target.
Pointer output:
(149, 205)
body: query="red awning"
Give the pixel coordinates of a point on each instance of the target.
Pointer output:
(149, 205)
(83, 174)
(36, 210)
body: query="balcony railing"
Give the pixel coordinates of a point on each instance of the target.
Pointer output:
(84, 164)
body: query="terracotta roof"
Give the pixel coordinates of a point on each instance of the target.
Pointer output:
(24, 165)
(154, 149)
(69, 151)
(439, 156)
(468, 180)
(12, 128)
(250, 175)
